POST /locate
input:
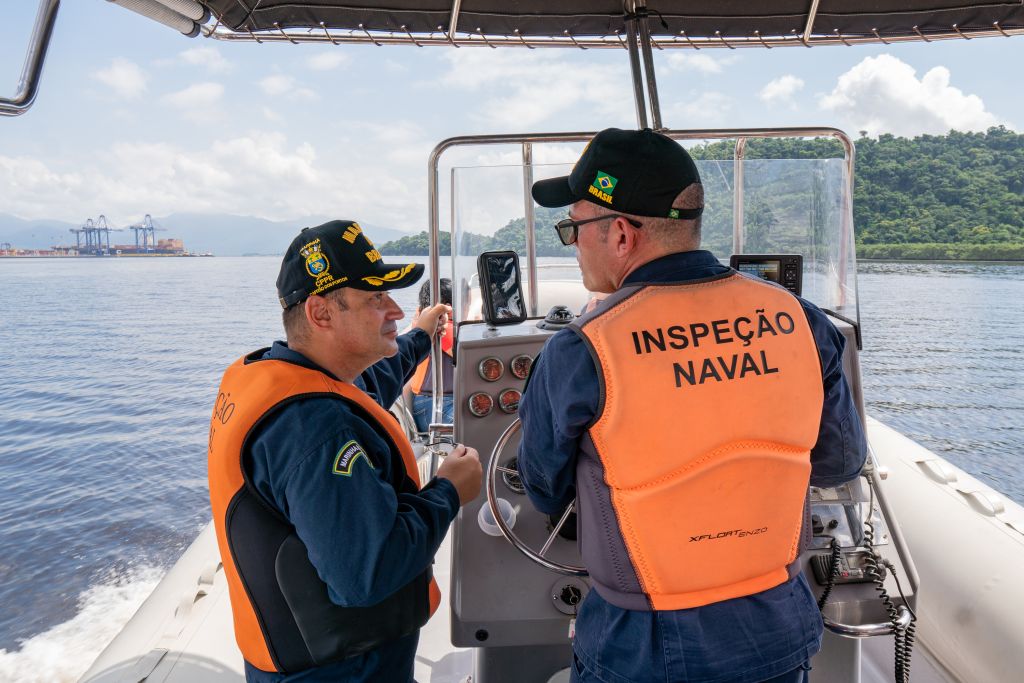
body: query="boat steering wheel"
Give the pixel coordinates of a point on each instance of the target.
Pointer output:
(492, 501)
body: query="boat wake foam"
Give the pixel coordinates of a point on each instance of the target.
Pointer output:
(62, 653)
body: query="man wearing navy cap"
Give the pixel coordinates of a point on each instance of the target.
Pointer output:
(686, 413)
(326, 535)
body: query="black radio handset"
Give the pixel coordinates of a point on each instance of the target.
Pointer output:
(831, 571)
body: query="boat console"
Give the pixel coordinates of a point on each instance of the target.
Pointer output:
(503, 603)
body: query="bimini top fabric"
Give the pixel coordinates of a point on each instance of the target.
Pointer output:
(877, 20)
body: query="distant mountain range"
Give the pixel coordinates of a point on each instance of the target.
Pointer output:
(223, 235)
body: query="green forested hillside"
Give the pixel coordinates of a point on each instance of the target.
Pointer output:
(956, 196)
(946, 194)
(511, 236)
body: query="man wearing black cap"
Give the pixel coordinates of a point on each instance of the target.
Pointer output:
(326, 535)
(686, 413)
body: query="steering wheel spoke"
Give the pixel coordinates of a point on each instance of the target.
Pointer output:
(558, 527)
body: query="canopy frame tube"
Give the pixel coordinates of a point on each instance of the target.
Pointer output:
(638, 43)
(35, 56)
(607, 42)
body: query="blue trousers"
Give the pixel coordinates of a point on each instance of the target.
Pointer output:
(422, 404)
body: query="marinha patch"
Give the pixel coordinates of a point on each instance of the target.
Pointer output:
(347, 457)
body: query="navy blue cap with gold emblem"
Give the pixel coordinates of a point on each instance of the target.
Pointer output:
(337, 254)
(638, 172)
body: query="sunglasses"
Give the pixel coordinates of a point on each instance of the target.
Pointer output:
(568, 229)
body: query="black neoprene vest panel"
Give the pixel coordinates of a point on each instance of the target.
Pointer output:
(331, 632)
(302, 627)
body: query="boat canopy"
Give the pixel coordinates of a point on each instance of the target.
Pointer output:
(584, 24)
(602, 23)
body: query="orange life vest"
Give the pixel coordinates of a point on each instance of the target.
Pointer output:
(422, 379)
(284, 619)
(712, 400)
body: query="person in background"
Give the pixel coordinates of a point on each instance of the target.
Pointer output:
(687, 413)
(422, 382)
(326, 535)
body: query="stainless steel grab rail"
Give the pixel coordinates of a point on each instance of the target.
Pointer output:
(883, 628)
(35, 55)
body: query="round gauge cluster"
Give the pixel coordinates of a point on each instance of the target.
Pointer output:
(492, 369)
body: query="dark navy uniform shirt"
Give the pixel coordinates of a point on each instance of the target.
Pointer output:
(364, 540)
(745, 639)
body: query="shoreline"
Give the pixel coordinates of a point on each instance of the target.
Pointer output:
(104, 257)
(1003, 262)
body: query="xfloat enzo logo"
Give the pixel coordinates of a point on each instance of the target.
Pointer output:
(732, 533)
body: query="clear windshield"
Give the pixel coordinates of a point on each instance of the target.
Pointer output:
(489, 215)
(788, 207)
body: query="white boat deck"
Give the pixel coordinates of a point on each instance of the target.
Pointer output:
(197, 645)
(183, 632)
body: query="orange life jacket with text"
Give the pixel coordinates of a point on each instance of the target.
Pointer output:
(693, 477)
(284, 620)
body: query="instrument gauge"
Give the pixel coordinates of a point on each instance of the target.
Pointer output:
(491, 369)
(508, 400)
(520, 366)
(480, 404)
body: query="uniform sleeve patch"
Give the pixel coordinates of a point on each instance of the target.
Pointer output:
(347, 457)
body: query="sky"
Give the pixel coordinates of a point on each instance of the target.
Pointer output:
(134, 118)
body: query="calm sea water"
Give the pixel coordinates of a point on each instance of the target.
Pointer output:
(109, 368)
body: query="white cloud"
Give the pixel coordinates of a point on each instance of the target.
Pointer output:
(258, 174)
(124, 77)
(199, 102)
(527, 87)
(699, 62)
(560, 157)
(278, 85)
(326, 61)
(709, 108)
(781, 89)
(378, 178)
(399, 142)
(208, 57)
(197, 95)
(883, 95)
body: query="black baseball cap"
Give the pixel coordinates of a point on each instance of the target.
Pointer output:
(638, 172)
(337, 254)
